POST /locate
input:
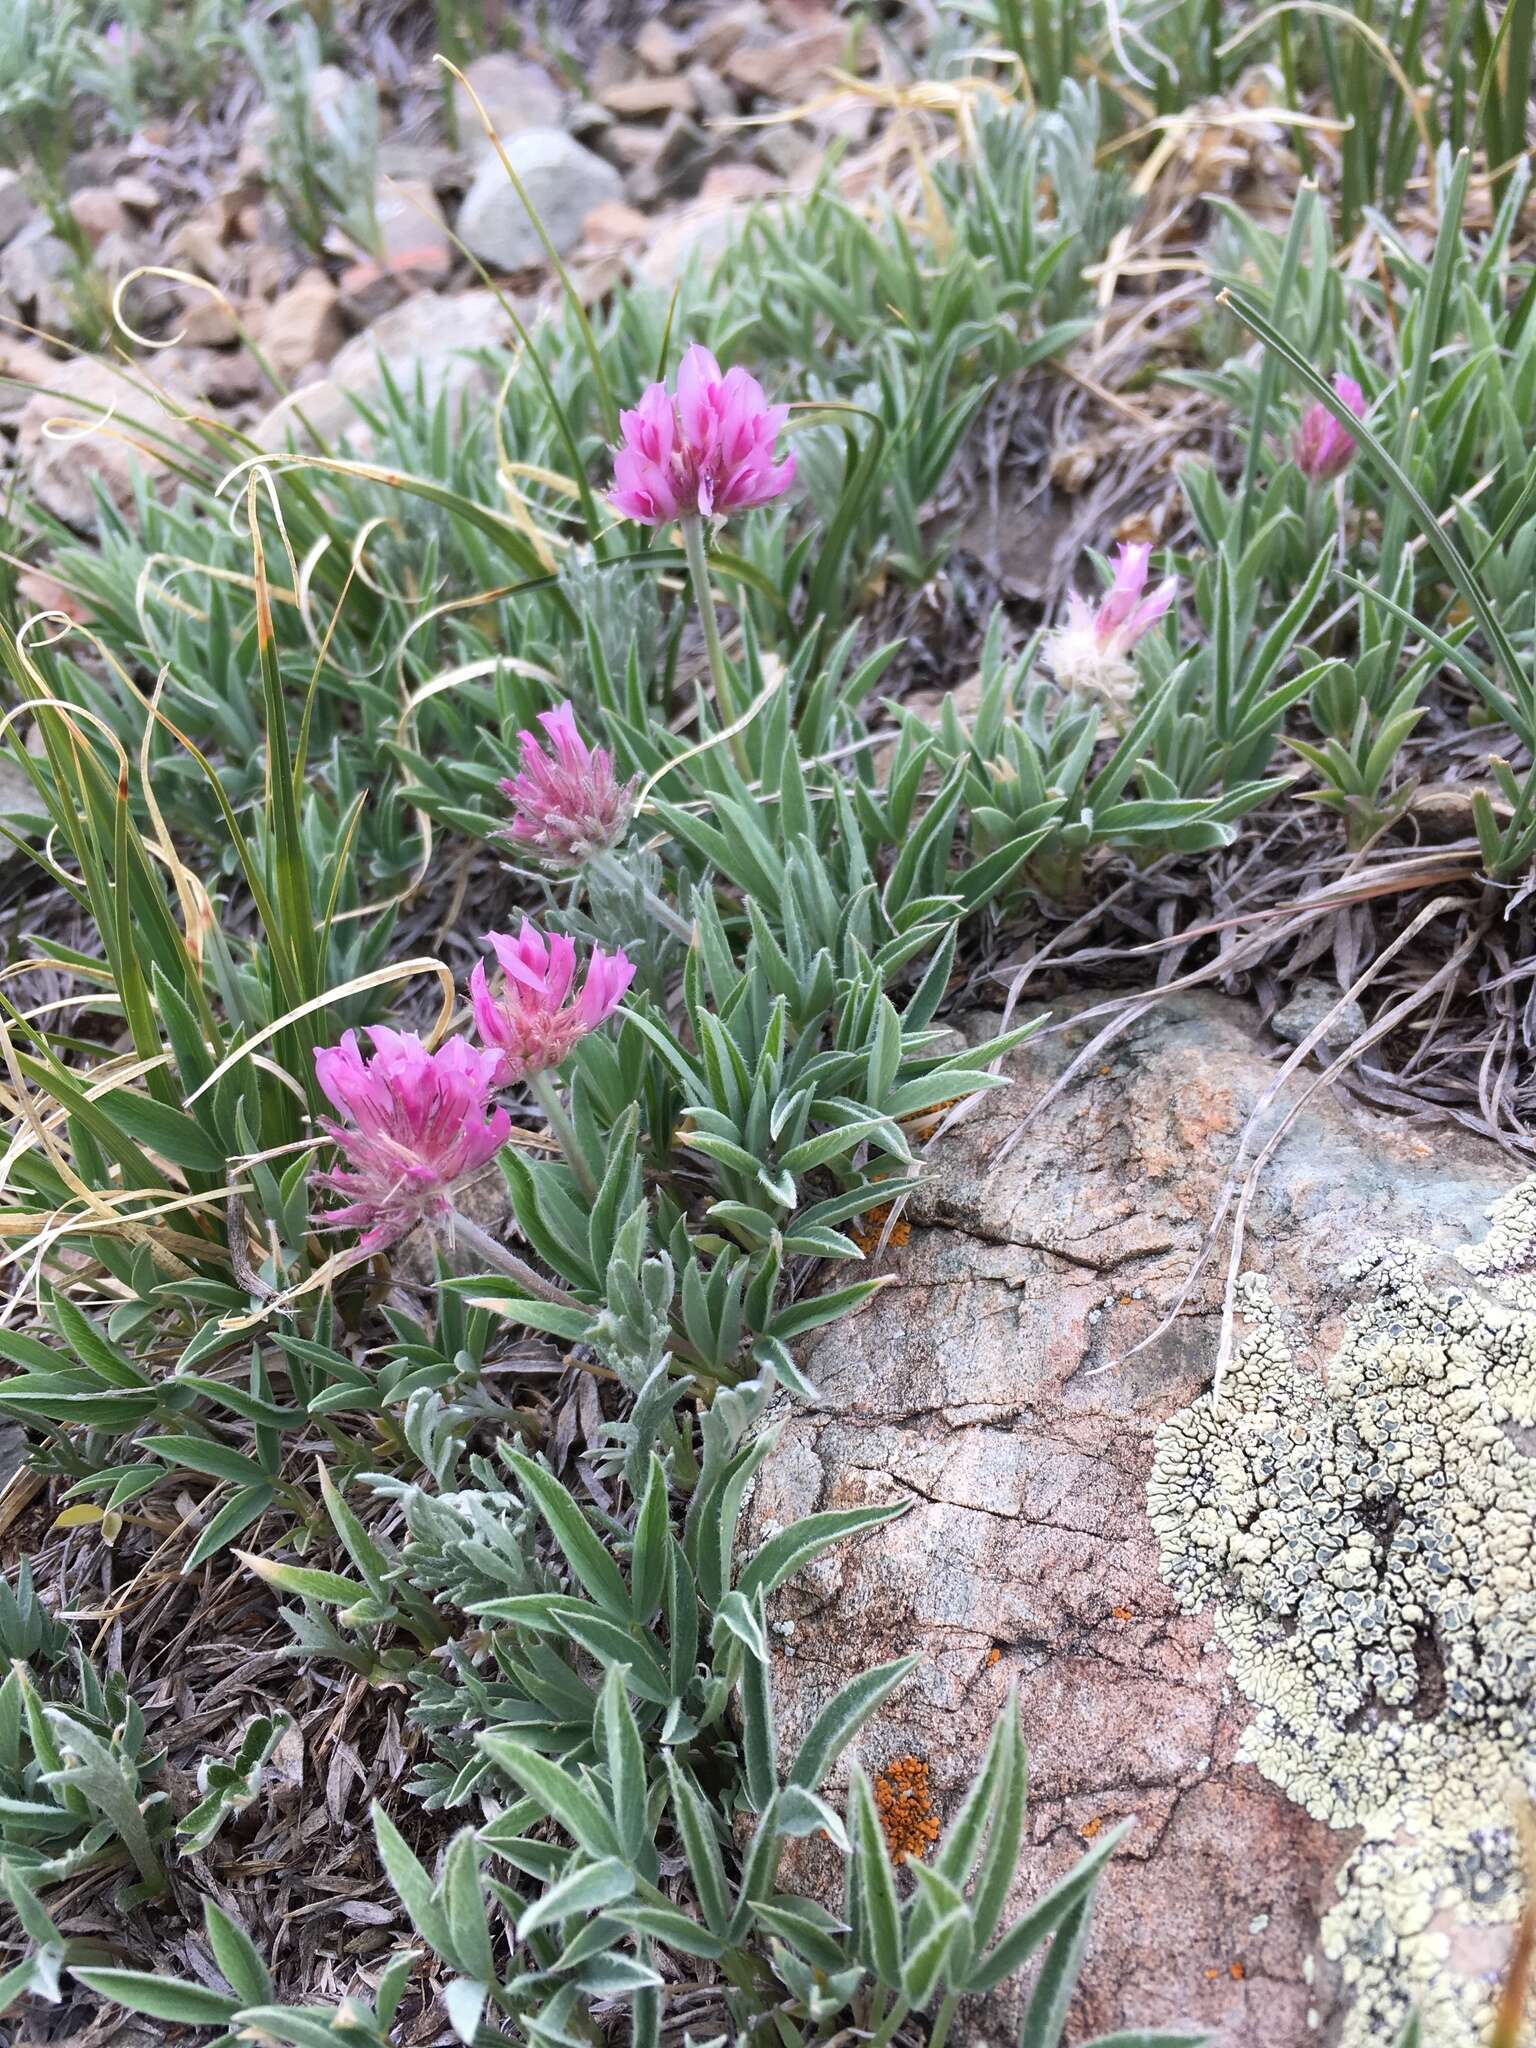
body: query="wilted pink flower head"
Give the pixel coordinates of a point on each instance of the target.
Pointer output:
(535, 1021)
(567, 803)
(1091, 651)
(418, 1120)
(708, 453)
(1320, 447)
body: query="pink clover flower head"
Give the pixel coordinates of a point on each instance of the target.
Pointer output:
(1091, 652)
(538, 1016)
(1321, 448)
(703, 454)
(567, 803)
(416, 1121)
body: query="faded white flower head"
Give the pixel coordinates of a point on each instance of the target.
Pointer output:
(1091, 652)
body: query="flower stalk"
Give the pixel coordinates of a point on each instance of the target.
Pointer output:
(472, 1238)
(547, 1096)
(719, 668)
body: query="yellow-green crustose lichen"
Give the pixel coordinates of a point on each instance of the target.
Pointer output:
(1368, 1537)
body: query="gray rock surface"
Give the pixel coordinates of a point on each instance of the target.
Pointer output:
(563, 181)
(989, 1387)
(515, 95)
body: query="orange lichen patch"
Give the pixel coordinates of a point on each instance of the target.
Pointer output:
(907, 1818)
(994, 1655)
(1123, 1613)
(867, 1232)
(923, 1121)
(1090, 1828)
(1238, 1971)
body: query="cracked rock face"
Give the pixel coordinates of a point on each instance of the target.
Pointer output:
(983, 1386)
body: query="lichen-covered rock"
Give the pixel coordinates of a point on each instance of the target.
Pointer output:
(1368, 1539)
(988, 1386)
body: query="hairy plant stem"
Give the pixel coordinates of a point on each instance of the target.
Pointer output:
(547, 1096)
(941, 2025)
(608, 864)
(887, 2029)
(726, 706)
(500, 1260)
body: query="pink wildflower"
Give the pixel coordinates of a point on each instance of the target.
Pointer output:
(535, 1021)
(707, 453)
(1091, 651)
(567, 802)
(417, 1120)
(1321, 448)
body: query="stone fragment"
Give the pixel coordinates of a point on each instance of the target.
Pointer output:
(792, 67)
(428, 336)
(721, 31)
(711, 95)
(516, 96)
(37, 591)
(659, 47)
(612, 62)
(227, 378)
(36, 276)
(612, 225)
(783, 150)
(636, 97)
(563, 181)
(412, 229)
(634, 144)
(205, 321)
(677, 162)
(1306, 1008)
(415, 250)
(137, 194)
(303, 325)
(423, 163)
(95, 425)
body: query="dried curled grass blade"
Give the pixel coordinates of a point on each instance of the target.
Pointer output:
(715, 739)
(185, 279)
(378, 977)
